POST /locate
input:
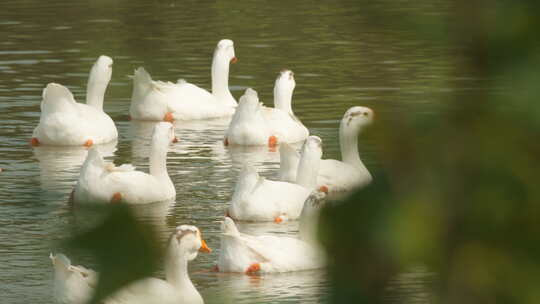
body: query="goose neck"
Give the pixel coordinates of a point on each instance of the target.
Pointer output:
(220, 77)
(95, 89)
(158, 160)
(176, 272)
(308, 169)
(348, 140)
(283, 99)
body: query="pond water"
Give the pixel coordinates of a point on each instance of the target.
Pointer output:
(341, 57)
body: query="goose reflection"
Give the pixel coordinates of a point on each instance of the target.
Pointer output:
(262, 157)
(89, 216)
(155, 214)
(288, 228)
(141, 133)
(60, 165)
(194, 136)
(272, 287)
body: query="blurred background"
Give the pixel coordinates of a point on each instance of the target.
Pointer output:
(452, 213)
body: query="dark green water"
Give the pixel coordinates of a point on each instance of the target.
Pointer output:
(341, 55)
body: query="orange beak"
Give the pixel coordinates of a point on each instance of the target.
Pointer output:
(234, 60)
(204, 247)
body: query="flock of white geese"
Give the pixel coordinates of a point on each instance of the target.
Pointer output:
(304, 177)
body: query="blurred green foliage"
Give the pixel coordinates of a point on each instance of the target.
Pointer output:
(458, 191)
(126, 248)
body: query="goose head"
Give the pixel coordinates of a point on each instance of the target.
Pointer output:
(186, 240)
(61, 264)
(225, 51)
(283, 90)
(164, 134)
(60, 261)
(313, 146)
(285, 81)
(102, 69)
(99, 78)
(356, 118)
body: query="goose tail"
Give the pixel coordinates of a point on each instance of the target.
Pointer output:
(142, 82)
(56, 97)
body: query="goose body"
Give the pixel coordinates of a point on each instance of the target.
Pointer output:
(101, 182)
(280, 119)
(255, 125)
(265, 253)
(258, 199)
(149, 290)
(65, 122)
(158, 100)
(248, 126)
(339, 177)
(183, 246)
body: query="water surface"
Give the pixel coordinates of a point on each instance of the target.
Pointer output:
(340, 56)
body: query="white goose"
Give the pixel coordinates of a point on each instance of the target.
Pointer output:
(64, 122)
(337, 177)
(101, 182)
(248, 126)
(281, 119)
(258, 199)
(157, 100)
(183, 245)
(71, 285)
(266, 253)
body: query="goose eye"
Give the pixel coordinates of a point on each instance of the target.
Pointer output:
(365, 113)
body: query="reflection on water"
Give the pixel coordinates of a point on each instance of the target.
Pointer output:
(300, 287)
(59, 166)
(340, 58)
(289, 228)
(155, 214)
(413, 286)
(141, 132)
(255, 155)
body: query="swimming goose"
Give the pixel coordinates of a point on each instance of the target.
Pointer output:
(183, 245)
(104, 183)
(76, 284)
(158, 100)
(336, 176)
(281, 120)
(257, 199)
(265, 253)
(65, 122)
(72, 284)
(248, 126)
